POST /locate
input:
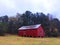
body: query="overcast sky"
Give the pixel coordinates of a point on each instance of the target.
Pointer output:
(11, 7)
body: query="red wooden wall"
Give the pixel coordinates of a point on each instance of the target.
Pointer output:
(32, 32)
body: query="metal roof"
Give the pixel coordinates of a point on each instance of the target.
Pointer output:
(29, 27)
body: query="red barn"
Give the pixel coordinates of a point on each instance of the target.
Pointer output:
(31, 31)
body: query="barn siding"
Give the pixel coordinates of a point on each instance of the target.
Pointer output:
(32, 33)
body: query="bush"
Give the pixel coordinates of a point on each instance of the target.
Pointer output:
(1, 33)
(55, 34)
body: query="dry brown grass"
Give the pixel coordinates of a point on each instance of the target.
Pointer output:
(16, 40)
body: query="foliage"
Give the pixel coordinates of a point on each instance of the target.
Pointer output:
(50, 25)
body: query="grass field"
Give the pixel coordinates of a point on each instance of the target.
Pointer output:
(16, 40)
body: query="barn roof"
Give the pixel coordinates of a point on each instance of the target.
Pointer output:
(29, 27)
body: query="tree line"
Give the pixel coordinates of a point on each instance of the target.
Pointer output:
(11, 24)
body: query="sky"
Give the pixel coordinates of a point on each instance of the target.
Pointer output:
(11, 7)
